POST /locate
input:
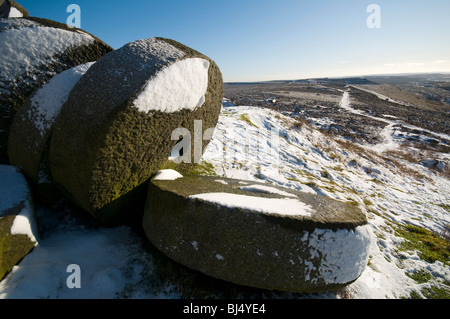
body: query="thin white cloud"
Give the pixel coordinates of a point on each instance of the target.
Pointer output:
(414, 64)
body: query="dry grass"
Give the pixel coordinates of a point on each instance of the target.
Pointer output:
(391, 160)
(299, 123)
(398, 160)
(416, 155)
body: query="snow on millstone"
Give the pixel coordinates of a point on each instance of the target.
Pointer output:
(257, 235)
(18, 229)
(32, 128)
(33, 50)
(116, 129)
(11, 9)
(18, 11)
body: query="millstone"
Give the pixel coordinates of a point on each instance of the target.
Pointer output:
(32, 51)
(257, 235)
(116, 128)
(32, 129)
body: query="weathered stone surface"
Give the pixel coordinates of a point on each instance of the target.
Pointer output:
(18, 230)
(32, 51)
(257, 235)
(5, 7)
(32, 128)
(115, 130)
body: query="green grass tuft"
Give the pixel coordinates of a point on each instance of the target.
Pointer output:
(430, 246)
(204, 168)
(244, 117)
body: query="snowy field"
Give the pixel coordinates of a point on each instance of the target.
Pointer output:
(257, 144)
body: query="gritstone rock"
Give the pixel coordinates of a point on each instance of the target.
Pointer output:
(5, 7)
(257, 235)
(32, 128)
(18, 230)
(116, 128)
(32, 51)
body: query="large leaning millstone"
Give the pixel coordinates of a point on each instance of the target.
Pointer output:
(257, 235)
(32, 128)
(32, 51)
(18, 229)
(115, 130)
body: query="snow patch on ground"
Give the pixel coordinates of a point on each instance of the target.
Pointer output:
(25, 223)
(309, 161)
(167, 175)
(14, 191)
(105, 259)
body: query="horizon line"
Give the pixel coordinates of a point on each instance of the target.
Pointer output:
(345, 77)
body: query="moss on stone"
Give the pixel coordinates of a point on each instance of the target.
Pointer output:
(12, 247)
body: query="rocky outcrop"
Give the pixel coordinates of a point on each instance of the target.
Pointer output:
(99, 131)
(113, 135)
(32, 51)
(257, 235)
(18, 229)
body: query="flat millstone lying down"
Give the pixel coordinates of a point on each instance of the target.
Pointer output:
(257, 235)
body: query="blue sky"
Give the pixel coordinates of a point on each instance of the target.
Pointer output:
(257, 40)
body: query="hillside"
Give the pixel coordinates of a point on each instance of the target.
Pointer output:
(331, 140)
